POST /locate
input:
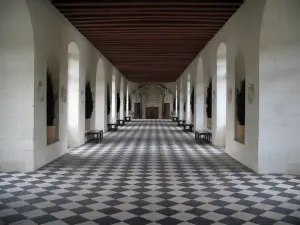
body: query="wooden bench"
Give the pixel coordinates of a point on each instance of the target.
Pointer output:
(175, 118)
(188, 127)
(181, 122)
(127, 118)
(93, 135)
(203, 135)
(112, 127)
(121, 122)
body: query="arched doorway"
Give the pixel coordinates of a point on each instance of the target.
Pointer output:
(73, 95)
(221, 96)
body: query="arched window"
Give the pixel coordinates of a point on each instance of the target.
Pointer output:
(113, 117)
(221, 97)
(73, 94)
(199, 97)
(188, 116)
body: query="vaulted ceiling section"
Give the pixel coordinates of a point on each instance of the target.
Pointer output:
(149, 41)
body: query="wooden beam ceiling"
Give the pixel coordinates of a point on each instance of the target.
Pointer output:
(149, 41)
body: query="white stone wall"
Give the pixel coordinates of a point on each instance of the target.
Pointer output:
(33, 34)
(279, 88)
(266, 35)
(241, 32)
(16, 87)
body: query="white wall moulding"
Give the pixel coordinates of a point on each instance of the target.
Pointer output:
(229, 97)
(251, 93)
(63, 94)
(94, 96)
(41, 91)
(214, 96)
(82, 96)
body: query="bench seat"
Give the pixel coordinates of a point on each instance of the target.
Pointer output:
(94, 135)
(203, 135)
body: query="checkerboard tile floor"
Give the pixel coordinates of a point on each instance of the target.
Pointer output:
(149, 172)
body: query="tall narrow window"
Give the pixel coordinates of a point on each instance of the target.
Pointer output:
(240, 97)
(73, 94)
(221, 98)
(199, 97)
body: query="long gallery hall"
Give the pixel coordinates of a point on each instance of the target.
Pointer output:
(149, 112)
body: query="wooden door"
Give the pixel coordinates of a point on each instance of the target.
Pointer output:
(152, 113)
(137, 110)
(166, 111)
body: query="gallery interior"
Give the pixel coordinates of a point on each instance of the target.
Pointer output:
(149, 112)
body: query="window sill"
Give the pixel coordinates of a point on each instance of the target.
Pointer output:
(239, 141)
(54, 142)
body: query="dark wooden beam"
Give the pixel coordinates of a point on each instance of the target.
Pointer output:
(148, 41)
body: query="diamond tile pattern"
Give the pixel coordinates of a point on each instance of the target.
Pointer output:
(149, 172)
